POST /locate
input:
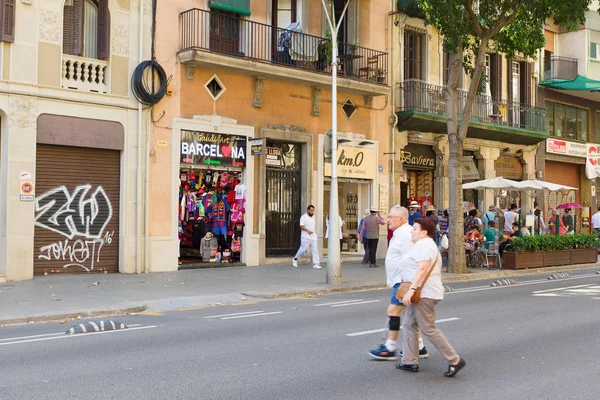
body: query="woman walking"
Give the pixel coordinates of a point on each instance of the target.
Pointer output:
(420, 260)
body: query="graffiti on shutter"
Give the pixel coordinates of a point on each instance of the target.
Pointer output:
(80, 219)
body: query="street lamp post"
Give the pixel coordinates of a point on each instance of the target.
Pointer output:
(334, 261)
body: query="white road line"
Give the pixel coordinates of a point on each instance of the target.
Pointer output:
(254, 315)
(337, 302)
(550, 295)
(560, 288)
(63, 336)
(229, 315)
(32, 336)
(526, 283)
(352, 304)
(439, 321)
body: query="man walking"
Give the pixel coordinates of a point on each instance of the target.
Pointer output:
(509, 218)
(489, 216)
(400, 243)
(414, 212)
(308, 238)
(372, 223)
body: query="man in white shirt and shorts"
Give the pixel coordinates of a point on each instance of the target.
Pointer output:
(308, 238)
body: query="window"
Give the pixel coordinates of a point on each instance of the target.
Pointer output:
(567, 122)
(86, 28)
(7, 20)
(595, 51)
(414, 47)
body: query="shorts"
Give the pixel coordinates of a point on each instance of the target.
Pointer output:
(219, 230)
(393, 300)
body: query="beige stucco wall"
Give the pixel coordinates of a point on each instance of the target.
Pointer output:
(49, 64)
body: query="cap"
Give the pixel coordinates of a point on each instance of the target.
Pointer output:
(414, 204)
(430, 208)
(492, 208)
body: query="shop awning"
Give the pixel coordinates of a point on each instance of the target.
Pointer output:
(469, 169)
(236, 6)
(579, 83)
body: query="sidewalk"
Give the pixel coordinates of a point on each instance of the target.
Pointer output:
(47, 298)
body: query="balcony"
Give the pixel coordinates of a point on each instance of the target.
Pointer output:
(424, 109)
(561, 68)
(85, 74)
(217, 39)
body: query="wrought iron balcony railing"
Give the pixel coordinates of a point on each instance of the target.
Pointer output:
(557, 67)
(227, 34)
(420, 96)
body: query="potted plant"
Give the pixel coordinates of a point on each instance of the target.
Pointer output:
(325, 51)
(380, 75)
(526, 253)
(584, 248)
(353, 47)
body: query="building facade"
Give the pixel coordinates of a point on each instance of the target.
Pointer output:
(241, 145)
(69, 130)
(507, 126)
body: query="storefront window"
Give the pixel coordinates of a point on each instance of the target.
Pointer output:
(567, 121)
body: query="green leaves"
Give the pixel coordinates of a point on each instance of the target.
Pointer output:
(555, 243)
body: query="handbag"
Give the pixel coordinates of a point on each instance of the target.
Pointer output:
(405, 286)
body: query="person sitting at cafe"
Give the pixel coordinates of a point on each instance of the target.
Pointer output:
(474, 238)
(490, 236)
(509, 238)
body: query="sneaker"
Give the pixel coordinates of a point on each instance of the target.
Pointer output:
(295, 262)
(382, 353)
(423, 354)
(316, 266)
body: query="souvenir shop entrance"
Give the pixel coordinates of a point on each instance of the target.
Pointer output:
(211, 198)
(418, 175)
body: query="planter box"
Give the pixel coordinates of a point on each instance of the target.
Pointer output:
(562, 257)
(523, 260)
(584, 256)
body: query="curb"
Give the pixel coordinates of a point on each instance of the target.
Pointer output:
(73, 315)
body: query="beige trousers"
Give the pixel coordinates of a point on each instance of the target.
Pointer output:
(422, 315)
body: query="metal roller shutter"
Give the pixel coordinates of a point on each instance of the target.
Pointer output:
(77, 210)
(564, 174)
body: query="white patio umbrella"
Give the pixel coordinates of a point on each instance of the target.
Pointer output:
(498, 183)
(553, 187)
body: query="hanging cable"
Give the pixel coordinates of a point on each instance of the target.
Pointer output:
(144, 83)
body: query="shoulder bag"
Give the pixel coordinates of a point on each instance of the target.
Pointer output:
(405, 286)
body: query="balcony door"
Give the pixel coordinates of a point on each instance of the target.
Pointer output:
(224, 32)
(516, 92)
(282, 16)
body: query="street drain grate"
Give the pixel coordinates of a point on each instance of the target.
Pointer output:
(99, 326)
(504, 282)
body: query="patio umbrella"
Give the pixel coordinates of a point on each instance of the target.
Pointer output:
(570, 205)
(498, 183)
(553, 187)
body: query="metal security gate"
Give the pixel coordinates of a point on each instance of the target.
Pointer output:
(76, 210)
(283, 212)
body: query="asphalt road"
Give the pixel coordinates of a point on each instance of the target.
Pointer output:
(536, 340)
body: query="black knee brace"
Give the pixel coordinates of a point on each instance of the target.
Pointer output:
(394, 323)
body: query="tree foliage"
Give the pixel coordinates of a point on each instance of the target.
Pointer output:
(471, 28)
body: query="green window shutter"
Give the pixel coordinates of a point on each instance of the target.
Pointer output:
(236, 6)
(593, 54)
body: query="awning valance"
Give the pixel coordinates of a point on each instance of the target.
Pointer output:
(236, 6)
(469, 169)
(579, 83)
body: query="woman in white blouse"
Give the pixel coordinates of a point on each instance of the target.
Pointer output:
(423, 256)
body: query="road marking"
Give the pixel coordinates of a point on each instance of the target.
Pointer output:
(560, 288)
(439, 321)
(352, 304)
(32, 336)
(63, 336)
(230, 315)
(254, 315)
(337, 302)
(526, 283)
(154, 313)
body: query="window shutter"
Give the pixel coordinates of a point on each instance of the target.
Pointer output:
(7, 20)
(528, 86)
(103, 30)
(510, 81)
(68, 30)
(77, 28)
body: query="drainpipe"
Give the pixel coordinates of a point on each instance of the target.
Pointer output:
(139, 154)
(393, 99)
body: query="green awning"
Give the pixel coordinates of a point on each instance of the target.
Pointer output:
(236, 6)
(579, 83)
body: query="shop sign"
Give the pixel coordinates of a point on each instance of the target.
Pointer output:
(557, 146)
(416, 156)
(509, 167)
(592, 161)
(354, 162)
(469, 169)
(273, 157)
(204, 148)
(256, 147)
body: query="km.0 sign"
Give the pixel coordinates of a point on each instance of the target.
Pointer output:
(354, 162)
(27, 193)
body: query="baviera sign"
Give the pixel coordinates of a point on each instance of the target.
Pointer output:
(204, 148)
(354, 162)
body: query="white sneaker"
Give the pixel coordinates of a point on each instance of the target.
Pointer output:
(295, 262)
(316, 266)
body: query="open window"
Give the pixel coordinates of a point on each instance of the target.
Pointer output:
(86, 28)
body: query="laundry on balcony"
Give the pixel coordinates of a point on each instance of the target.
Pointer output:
(303, 48)
(286, 34)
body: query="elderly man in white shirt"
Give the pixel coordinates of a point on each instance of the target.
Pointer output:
(596, 221)
(400, 244)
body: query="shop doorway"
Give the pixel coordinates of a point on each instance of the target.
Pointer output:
(418, 187)
(284, 199)
(353, 198)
